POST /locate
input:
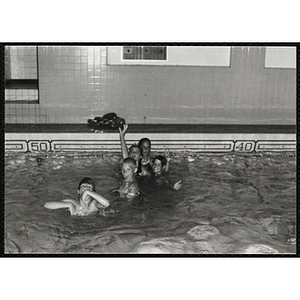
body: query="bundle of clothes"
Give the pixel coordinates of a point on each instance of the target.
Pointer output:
(110, 120)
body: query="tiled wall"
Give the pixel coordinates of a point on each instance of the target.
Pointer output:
(23, 62)
(75, 84)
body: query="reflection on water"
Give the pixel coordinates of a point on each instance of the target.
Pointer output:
(229, 204)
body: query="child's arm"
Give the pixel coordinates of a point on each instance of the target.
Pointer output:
(177, 186)
(122, 139)
(100, 199)
(167, 168)
(68, 203)
(168, 158)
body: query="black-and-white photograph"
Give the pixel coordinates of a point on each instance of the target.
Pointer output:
(150, 149)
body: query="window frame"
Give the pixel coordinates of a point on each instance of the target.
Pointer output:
(23, 84)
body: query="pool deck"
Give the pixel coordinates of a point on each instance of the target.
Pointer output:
(175, 137)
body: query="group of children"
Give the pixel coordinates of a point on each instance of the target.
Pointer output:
(135, 163)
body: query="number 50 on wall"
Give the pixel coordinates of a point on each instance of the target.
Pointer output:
(244, 146)
(39, 146)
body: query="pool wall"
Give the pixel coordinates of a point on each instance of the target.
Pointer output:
(76, 83)
(195, 142)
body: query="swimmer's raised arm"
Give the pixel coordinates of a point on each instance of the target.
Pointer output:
(125, 127)
(123, 142)
(100, 199)
(168, 158)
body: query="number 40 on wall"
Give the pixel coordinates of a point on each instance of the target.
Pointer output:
(244, 146)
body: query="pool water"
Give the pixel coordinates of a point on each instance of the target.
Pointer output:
(228, 204)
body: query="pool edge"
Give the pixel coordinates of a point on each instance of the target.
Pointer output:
(196, 142)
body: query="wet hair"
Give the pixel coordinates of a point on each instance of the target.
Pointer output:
(136, 146)
(162, 159)
(144, 140)
(88, 181)
(130, 161)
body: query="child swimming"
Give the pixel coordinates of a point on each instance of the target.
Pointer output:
(147, 158)
(129, 186)
(145, 145)
(88, 200)
(160, 173)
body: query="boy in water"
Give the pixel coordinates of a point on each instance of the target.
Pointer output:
(88, 200)
(159, 168)
(129, 186)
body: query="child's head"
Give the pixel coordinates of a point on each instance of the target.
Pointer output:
(145, 145)
(128, 167)
(159, 164)
(135, 152)
(85, 183)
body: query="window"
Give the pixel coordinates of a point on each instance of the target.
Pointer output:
(145, 52)
(281, 57)
(21, 74)
(206, 56)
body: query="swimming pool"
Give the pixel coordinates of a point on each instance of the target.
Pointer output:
(229, 204)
